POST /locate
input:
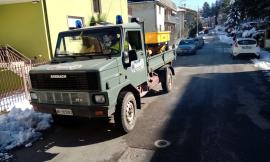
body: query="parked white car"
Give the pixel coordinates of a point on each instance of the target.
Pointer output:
(245, 46)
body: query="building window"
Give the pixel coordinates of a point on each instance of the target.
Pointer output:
(129, 11)
(160, 28)
(96, 5)
(75, 22)
(159, 9)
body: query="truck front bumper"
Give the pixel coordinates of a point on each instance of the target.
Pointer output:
(76, 111)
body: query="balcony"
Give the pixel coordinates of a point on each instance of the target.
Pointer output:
(171, 19)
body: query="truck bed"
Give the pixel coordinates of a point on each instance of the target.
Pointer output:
(157, 61)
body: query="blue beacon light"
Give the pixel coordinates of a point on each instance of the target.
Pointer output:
(119, 19)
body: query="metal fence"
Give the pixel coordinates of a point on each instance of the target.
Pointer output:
(14, 77)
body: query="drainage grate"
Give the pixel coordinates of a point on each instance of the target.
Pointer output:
(162, 143)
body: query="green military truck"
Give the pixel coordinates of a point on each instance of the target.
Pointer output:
(100, 71)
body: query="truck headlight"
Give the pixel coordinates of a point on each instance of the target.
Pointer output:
(33, 96)
(99, 99)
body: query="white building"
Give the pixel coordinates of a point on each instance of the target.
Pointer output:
(158, 15)
(180, 26)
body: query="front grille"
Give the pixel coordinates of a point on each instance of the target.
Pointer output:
(72, 81)
(66, 98)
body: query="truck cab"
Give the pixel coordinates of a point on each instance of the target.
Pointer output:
(96, 72)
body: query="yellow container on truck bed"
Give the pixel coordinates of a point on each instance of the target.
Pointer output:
(157, 37)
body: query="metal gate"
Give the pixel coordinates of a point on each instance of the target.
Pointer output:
(14, 77)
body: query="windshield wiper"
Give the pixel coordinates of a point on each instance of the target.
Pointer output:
(63, 54)
(89, 55)
(68, 55)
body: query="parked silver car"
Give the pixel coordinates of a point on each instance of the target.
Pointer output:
(200, 42)
(186, 46)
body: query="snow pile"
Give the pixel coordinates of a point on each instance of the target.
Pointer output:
(5, 156)
(246, 25)
(16, 100)
(248, 33)
(206, 37)
(20, 126)
(258, 33)
(220, 30)
(264, 62)
(225, 39)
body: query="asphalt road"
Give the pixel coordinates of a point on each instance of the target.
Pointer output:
(217, 112)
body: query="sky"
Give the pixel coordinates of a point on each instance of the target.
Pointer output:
(193, 4)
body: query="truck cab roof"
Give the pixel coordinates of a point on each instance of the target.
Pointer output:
(125, 26)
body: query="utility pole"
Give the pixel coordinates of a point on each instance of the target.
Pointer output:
(181, 29)
(197, 22)
(181, 3)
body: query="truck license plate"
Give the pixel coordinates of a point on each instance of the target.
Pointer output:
(64, 112)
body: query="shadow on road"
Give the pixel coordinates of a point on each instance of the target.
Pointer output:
(80, 132)
(217, 120)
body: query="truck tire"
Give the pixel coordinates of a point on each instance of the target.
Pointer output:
(167, 84)
(125, 115)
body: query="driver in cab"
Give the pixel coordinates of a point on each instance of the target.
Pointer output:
(90, 45)
(116, 42)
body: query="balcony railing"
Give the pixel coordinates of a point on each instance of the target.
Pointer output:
(171, 19)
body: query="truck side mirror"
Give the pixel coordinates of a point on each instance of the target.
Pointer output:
(129, 56)
(126, 58)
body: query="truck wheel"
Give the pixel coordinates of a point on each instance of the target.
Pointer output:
(167, 85)
(125, 115)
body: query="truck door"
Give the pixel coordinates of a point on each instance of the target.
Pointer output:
(136, 70)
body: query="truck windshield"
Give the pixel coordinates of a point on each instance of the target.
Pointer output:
(102, 41)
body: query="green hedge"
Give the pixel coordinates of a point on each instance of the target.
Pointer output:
(9, 81)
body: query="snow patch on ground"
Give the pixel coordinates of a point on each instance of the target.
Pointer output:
(16, 100)
(207, 37)
(5, 156)
(22, 105)
(264, 62)
(220, 31)
(21, 126)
